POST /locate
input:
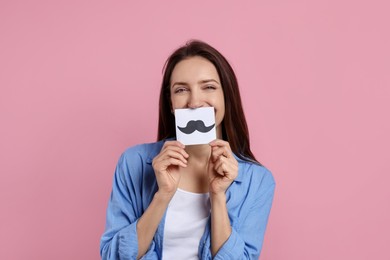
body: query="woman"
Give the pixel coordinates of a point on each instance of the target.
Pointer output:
(171, 201)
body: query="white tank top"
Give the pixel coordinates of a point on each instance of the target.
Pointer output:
(185, 221)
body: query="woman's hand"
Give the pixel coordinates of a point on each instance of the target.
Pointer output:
(166, 167)
(222, 168)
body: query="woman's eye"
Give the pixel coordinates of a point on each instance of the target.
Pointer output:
(209, 87)
(180, 90)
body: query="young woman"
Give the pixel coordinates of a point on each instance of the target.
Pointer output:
(171, 201)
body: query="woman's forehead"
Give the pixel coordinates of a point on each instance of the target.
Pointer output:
(194, 68)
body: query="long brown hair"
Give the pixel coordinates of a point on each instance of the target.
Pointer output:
(234, 126)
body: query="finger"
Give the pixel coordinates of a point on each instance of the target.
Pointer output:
(218, 167)
(221, 164)
(174, 154)
(226, 166)
(165, 155)
(227, 171)
(173, 161)
(222, 170)
(173, 143)
(163, 164)
(220, 151)
(219, 142)
(177, 149)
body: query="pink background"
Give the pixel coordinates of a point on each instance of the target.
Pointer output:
(79, 83)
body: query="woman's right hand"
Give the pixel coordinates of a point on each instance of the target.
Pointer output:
(166, 167)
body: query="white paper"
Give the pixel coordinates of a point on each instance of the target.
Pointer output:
(202, 119)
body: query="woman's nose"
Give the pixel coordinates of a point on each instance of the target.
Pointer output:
(195, 101)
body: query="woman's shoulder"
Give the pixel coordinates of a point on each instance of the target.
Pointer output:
(134, 160)
(144, 151)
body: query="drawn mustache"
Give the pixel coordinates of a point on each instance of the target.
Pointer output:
(193, 125)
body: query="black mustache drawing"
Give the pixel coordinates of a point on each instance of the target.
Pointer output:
(193, 125)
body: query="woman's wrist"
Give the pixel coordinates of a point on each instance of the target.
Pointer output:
(163, 197)
(217, 197)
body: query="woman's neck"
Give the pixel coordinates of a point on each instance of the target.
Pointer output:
(194, 177)
(198, 153)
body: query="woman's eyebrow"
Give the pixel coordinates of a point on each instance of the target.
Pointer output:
(182, 83)
(179, 83)
(209, 80)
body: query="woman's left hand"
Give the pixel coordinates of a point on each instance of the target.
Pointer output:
(222, 168)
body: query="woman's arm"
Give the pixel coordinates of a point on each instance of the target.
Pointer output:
(228, 242)
(148, 223)
(220, 223)
(126, 235)
(119, 240)
(222, 170)
(250, 217)
(166, 168)
(129, 231)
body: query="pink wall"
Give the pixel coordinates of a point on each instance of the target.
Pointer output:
(77, 77)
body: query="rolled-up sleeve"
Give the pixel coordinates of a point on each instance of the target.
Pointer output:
(246, 239)
(120, 240)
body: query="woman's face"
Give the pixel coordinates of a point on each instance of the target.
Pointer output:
(195, 83)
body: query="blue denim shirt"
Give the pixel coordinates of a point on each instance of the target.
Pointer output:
(249, 199)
